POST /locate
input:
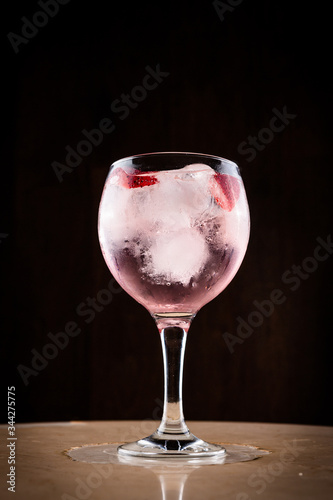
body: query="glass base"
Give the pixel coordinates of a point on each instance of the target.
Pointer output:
(160, 445)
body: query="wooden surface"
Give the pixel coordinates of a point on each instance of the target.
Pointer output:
(300, 465)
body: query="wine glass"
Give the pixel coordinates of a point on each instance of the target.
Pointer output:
(173, 229)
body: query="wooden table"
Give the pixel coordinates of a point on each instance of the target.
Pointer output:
(299, 466)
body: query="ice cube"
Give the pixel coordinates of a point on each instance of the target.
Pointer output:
(196, 167)
(178, 256)
(179, 197)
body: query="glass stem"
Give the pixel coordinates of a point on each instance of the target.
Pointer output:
(173, 337)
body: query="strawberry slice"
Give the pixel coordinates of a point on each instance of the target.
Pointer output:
(225, 189)
(136, 181)
(133, 180)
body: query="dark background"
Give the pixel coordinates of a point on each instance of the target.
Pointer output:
(225, 78)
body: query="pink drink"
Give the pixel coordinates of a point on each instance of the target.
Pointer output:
(173, 239)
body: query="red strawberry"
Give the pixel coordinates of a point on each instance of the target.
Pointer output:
(134, 180)
(225, 189)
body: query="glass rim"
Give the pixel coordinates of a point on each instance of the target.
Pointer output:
(173, 153)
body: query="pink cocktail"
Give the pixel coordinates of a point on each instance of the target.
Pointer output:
(173, 229)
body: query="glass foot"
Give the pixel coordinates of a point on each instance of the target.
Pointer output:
(160, 445)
